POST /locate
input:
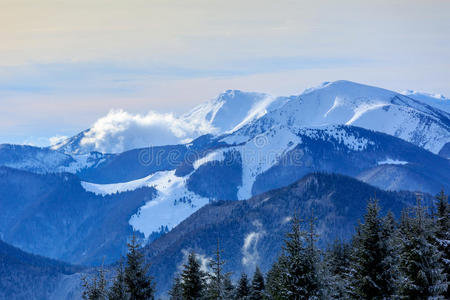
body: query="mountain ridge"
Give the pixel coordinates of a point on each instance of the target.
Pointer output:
(222, 115)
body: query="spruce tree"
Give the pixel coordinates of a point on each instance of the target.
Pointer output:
(299, 264)
(390, 246)
(119, 289)
(228, 287)
(176, 292)
(139, 284)
(243, 288)
(443, 235)
(96, 287)
(215, 287)
(420, 260)
(192, 279)
(370, 258)
(257, 290)
(336, 270)
(274, 283)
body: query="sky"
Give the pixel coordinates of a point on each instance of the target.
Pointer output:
(65, 64)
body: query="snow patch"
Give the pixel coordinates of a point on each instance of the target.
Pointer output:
(390, 161)
(337, 133)
(173, 203)
(214, 156)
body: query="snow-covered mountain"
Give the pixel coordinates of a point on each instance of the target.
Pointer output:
(44, 160)
(348, 103)
(257, 143)
(120, 131)
(242, 164)
(436, 100)
(415, 117)
(231, 110)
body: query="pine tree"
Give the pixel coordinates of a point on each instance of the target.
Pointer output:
(176, 292)
(243, 288)
(390, 246)
(443, 235)
(119, 289)
(192, 279)
(96, 287)
(298, 265)
(312, 260)
(258, 286)
(228, 287)
(336, 270)
(421, 270)
(215, 287)
(139, 284)
(275, 277)
(370, 258)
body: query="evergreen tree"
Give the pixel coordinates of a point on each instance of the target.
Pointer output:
(443, 235)
(176, 292)
(336, 270)
(370, 258)
(96, 287)
(139, 284)
(216, 287)
(192, 279)
(228, 287)
(119, 289)
(420, 266)
(243, 288)
(275, 277)
(298, 265)
(258, 286)
(390, 246)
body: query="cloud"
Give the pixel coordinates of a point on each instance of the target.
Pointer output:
(57, 139)
(119, 131)
(250, 254)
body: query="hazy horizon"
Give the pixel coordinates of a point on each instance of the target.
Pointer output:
(64, 65)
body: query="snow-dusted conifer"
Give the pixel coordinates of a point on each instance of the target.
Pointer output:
(257, 290)
(336, 270)
(371, 256)
(443, 234)
(176, 292)
(139, 283)
(216, 285)
(95, 288)
(243, 288)
(420, 260)
(119, 289)
(192, 279)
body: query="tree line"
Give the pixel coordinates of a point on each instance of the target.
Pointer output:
(385, 259)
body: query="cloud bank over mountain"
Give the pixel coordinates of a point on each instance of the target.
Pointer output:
(120, 131)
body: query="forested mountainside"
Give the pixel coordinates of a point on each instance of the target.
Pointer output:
(26, 276)
(52, 215)
(251, 231)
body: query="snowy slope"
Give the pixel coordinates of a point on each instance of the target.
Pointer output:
(173, 203)
(232, 109)
(229, 111)
(418, 118)
(273, 158)
(44, 160)
(349, 103)
(436, 100)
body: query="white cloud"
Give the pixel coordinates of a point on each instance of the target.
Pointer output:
(119, 131)
(250, 254)
(57, 139)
